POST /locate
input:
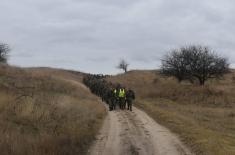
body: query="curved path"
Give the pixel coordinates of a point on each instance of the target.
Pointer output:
(126, 132)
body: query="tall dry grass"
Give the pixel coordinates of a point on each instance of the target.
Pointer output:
(203, 116)
(44, 113)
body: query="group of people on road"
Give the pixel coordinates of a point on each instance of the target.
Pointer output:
(113, 94)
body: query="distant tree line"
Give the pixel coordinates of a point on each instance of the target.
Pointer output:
(194, 63)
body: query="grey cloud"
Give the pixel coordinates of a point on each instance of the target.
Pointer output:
(92, 36)
(98, 59)
(23, 55)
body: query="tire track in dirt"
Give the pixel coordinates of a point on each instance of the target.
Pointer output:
(135, 133)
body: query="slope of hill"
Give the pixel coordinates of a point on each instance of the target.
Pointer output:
(46, 111)
(204, 117)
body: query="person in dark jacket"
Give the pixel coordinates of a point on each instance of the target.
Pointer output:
(114, 97)
(130, 96)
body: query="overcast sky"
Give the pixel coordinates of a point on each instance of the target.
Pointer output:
(93, 35)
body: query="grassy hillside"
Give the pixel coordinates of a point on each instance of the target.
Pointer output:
(46, 111)
(204, 117)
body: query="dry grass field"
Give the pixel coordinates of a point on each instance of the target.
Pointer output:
(203, 116)
(46, 111)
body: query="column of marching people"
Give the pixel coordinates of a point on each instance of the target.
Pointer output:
(113, 94)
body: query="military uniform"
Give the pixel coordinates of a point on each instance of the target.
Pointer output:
(130, 96)
(114, 98)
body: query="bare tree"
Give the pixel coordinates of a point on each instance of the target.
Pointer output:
(174, 64)
(123, 65)
(204, 64)
(194, 62)
(4, 50)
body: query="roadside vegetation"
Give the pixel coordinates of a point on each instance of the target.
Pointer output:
(46, 111)
(203, 116)
(196, 64)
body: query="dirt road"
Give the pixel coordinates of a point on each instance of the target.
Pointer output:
(125, 133)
